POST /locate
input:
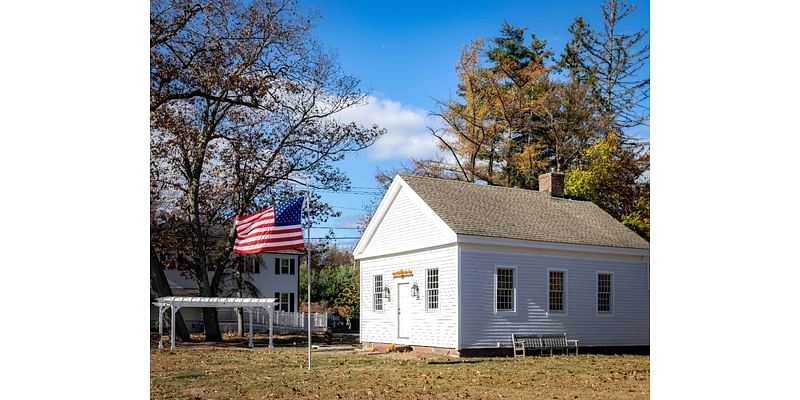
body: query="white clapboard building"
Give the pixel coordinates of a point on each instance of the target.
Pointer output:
(274, 274)
(457, 268)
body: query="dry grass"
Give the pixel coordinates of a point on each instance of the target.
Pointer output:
(201, 372)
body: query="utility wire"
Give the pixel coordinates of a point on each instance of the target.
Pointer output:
(356, 193)
(225, 236)
(351, 208)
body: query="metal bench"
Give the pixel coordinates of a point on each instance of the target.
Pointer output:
(542, 342)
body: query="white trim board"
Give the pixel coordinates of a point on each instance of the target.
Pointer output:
(397, 185)
(565, 247)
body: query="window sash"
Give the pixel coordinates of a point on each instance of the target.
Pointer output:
(377, 293)
(284, 266)
(432, 289)
(504, 283)
(253, 266)
(556, 294)
(285, 302)
(604, 283)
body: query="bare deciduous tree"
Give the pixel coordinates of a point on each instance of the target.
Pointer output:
(242, 101)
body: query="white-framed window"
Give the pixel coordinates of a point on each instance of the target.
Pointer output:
(557, 291)
(285, 301)
(252, 265)
(284, 266)
(432, 289)
(377, 293)
(505, 289)
(605, 293)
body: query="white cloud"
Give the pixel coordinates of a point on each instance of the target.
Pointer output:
(406, 135)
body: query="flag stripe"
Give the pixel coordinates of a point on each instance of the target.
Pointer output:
(260, 231)
(267, 242)
(244, 218)
(256, 224)
(281, 236)
(251, 221)
(273, 248)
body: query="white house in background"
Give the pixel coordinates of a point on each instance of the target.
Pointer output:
(457, 268)
(275, 274)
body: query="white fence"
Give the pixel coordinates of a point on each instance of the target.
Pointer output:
(300, 320)
(281, 318)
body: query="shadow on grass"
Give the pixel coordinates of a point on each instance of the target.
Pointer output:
(449, 362)
(260, 340)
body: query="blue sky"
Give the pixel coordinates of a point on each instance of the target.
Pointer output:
(405, 54)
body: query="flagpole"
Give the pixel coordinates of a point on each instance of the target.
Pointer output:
(308, 266)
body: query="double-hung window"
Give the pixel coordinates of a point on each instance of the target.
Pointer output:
(284, 266)
(377, 293)
(605, 285)
(432, 289)
(252, 265)
(285, 302)
(556, 294)
(504, 289)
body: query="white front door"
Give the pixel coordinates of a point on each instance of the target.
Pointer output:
(403, 310)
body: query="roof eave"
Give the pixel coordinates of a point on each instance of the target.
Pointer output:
(531, 244)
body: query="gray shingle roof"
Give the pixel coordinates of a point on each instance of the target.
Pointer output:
(481, 210)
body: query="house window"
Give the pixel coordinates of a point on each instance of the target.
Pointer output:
(504, 282)
(432, 289)
(604, 283)
(556, 298)
(284, 266)
(253, 265)
(285, 302)
(377, 293)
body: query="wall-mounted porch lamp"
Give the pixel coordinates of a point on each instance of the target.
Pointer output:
(386, 293)
(415, 290)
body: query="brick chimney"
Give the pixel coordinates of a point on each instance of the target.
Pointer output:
(553, 183)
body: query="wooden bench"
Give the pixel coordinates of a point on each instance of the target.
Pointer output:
(542, 342)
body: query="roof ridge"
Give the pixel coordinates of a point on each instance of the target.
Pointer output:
(538, 193)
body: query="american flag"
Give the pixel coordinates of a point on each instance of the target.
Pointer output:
(276, 228)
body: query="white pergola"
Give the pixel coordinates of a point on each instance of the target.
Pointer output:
(176, 303)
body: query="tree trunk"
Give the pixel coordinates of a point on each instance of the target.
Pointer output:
(240, 310)
(210, 321)
(160, 285)
(212, 325)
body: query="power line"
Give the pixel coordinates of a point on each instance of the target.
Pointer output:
(225, 236)
(356, 193)
(350, 208)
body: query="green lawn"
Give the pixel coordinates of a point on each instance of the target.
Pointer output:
(194, 372)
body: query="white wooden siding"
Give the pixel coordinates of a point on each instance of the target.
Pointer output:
(268, 283)
(435, 328)
(481, 327)
(406, 226)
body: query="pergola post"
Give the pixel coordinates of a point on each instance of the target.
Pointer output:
(271, 315)
(176, 303)
(172, 331)
(250, 314)
(160, 327)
